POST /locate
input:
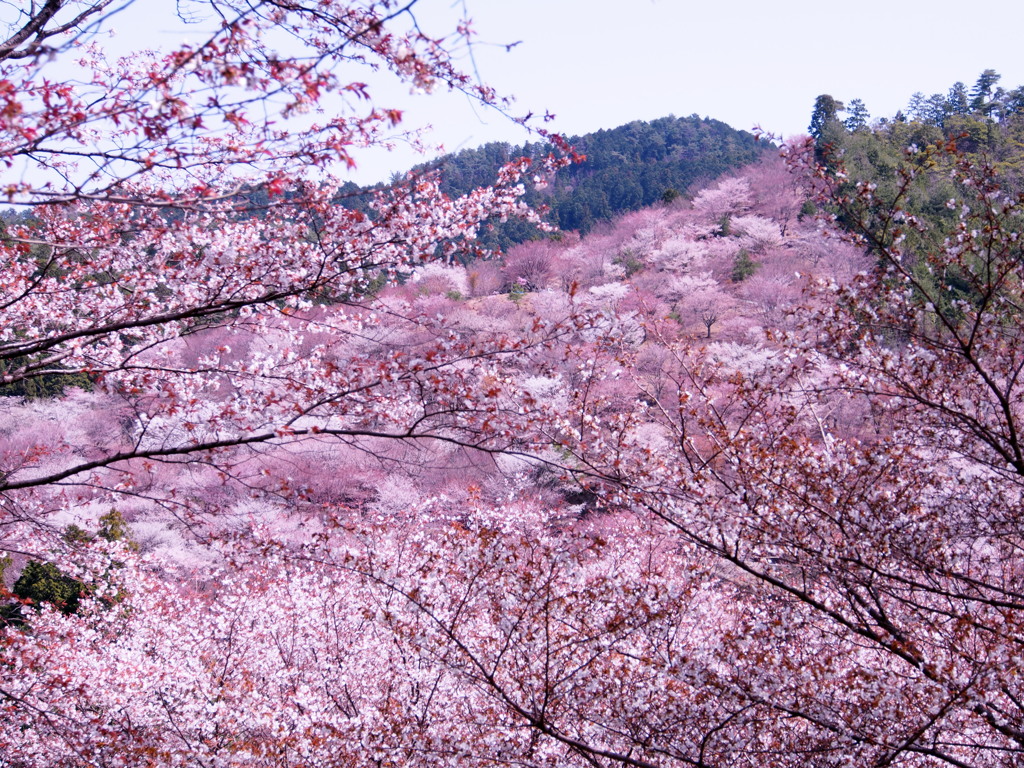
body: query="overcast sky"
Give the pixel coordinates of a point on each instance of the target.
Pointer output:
(601, 63)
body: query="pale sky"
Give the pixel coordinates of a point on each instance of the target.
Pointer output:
(598, 63)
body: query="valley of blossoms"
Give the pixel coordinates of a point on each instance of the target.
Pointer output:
(288, 483)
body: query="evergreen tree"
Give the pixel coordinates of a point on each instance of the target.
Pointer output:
(916, 106)
(858, 116)
(957, 100)
(743, 266)
(45, 583)
(113, 527)
(1013, 102)
(825, 115)
(981, 94)
(936, 109)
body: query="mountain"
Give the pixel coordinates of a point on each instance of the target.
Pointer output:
(626, 168)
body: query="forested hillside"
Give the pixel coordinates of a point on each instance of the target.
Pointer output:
(731, 479)
(626, 168)
(985, 122)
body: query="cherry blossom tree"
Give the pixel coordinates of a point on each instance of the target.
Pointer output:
(171, 199)
(184, 253)
(500, 642)
(883, 557)
(776, 192)
(529, 265)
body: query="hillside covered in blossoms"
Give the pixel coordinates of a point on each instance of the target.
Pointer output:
(292, 475)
